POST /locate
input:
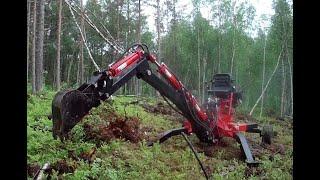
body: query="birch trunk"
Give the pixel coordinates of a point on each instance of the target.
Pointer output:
(81, 64)
(263, 75)
(219, 39)
(138, 83)
(234, 37)
(118, 22)
(289, 65)
(283, 89)
(158, 39)
(130, 83)
(291, 85)
(204, 77)
(248, 80)
(233, 52)
(78, 70)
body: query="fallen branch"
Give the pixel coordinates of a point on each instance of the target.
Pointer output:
(82, 36)
(40, 173)
(126, 95)
(265, 88)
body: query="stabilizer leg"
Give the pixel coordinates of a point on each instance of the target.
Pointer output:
(195, 154)
(166, 135)
(246, 149)
(180, 131)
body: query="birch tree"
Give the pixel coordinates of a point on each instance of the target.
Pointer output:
(265, 88)
(234, 34)
(80, 78)
(138, 83)
(263, 74)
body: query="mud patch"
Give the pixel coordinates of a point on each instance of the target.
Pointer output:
(259, 149)
(224, 149)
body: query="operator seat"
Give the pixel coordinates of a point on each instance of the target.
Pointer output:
(222, 85)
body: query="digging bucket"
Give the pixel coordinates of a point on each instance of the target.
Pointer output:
(68, 108)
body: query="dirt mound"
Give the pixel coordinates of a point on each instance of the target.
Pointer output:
(113, 126)
(121, 128)
(159, 108)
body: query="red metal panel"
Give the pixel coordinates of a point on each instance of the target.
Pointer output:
(125, 62)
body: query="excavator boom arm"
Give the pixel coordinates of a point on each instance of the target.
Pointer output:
(103, 84)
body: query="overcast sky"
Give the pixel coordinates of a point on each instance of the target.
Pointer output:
(261, 6)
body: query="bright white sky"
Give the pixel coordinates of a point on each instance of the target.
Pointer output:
(261, 6)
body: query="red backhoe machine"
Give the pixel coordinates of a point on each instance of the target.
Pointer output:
(210, 122)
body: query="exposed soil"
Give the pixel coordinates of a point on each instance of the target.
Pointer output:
(119, 128)
(260, 149)
(223, 148)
